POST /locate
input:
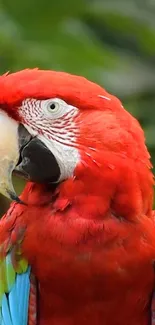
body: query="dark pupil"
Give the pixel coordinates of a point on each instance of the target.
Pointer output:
(52, 106)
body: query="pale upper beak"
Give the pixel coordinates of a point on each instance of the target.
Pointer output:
(27, 156)
(9, 154)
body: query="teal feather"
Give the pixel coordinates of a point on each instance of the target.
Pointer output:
(14, 292)
(6, 317)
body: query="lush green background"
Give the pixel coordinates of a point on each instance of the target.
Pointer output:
(109, 41)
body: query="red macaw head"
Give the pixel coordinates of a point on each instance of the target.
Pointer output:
(55, 126)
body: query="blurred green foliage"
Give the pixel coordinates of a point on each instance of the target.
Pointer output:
(111, 42)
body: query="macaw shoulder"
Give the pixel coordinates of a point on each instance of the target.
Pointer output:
(10, 228)
(15, 281)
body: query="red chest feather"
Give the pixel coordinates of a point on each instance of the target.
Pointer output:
(89, 271)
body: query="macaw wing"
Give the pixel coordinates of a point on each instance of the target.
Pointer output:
(15, 292)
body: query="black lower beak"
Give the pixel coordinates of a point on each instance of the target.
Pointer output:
(37, 163)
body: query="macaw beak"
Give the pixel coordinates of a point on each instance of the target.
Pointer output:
(13, 136)
(9, 154)
(23, 155)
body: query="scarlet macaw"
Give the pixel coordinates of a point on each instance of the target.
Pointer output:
(78, 246)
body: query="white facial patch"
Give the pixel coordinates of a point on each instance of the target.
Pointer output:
(53, 122)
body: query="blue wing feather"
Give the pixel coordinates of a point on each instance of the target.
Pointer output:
(5, 311)
(22, 286)
(15, 303)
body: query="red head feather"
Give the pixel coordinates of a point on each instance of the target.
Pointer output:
(46, 84)
(75, 90)
(106, 126)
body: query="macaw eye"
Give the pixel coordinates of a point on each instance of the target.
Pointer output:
(54, 108)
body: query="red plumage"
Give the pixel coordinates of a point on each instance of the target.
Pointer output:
(91, 240)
